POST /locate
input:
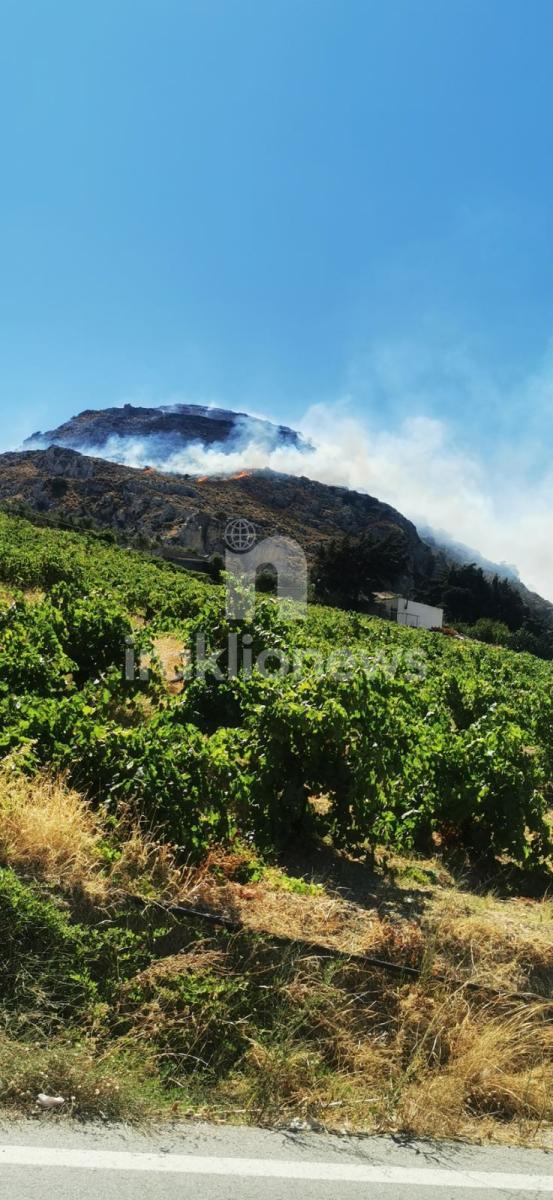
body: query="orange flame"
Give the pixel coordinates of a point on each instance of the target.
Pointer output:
(241, 475)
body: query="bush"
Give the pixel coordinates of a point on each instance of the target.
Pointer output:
(95, 631)
(32, 654)
(42, 957)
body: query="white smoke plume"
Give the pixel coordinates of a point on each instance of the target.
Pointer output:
(418, 468)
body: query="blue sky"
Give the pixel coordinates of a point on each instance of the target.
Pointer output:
(272, 204)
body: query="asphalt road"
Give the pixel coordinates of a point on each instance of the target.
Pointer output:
(51, 1160)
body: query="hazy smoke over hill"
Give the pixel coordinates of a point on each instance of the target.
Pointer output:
(417, 468)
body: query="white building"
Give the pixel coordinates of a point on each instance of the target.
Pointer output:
(409, 612)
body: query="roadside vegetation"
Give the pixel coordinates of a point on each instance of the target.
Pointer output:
(390, 799)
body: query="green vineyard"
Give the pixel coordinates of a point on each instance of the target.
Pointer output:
(355, 731)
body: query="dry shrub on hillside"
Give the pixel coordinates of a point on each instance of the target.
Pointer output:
(472, 1068)
(501, 944)
(48, 830)
(148, 868)
(407, 1058)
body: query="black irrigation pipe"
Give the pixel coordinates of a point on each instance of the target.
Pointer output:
(366, 960)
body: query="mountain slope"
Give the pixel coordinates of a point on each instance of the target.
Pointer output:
(184, 516)
(190, 513)
(164, 437)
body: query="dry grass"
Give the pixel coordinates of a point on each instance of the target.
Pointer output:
(149, 868)
(502, 944)
(479, 1072)
(348, 1050)
(305, 911)
(322, 919)
(175, 965)
(170, 653)
(331, 1041)
(360, 1050)
(47, 830)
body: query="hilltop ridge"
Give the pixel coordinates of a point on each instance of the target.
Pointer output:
(165, 430)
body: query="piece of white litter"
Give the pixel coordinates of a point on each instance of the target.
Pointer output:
(297, 1126)
(49, 1101)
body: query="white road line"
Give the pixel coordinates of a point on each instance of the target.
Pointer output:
(263, 1168)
